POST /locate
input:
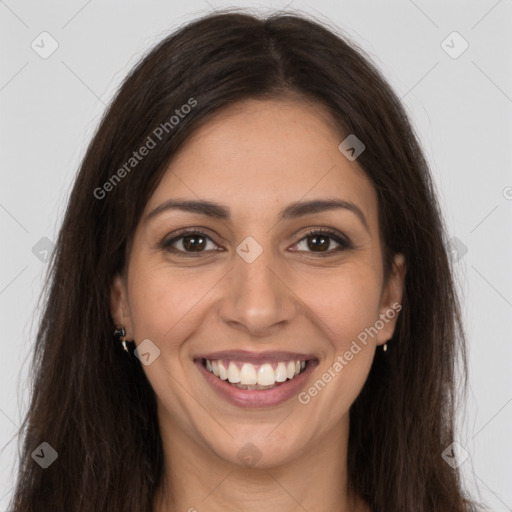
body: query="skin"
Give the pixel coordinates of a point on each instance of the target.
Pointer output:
(257, 157)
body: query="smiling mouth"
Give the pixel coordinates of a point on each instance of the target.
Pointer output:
(248, 376)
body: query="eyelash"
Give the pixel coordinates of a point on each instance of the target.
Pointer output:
(344, 243)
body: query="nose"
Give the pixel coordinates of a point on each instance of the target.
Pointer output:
(259, 298)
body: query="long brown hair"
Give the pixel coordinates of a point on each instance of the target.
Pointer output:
(94, 406)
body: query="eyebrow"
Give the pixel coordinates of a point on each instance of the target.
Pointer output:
(292, 211)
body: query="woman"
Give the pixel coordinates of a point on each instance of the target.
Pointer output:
(251, 304)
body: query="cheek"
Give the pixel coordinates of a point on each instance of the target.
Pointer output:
(344, 307)
(343, 302)
(167, 304)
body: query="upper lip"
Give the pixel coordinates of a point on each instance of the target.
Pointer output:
(255, 357)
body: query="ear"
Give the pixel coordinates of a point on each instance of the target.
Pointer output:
(391, 299)
(119, 308)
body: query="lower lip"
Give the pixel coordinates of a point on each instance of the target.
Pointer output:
(257, 397)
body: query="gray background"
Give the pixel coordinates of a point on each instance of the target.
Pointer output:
(461, 107)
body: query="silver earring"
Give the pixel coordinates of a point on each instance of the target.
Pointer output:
(119, 335)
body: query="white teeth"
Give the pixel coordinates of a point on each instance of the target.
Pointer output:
(281, 373)
(255, 377)
(233, 373)
(223, 373)
(290, 369)
(266, 376)
(248, 374)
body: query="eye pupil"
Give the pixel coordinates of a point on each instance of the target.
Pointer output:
(196, 242)
(321, 242)
(191, 245)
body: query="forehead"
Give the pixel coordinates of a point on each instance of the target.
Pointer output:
(258, 155)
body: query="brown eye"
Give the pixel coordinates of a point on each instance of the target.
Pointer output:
(189, 242)
(320, 241)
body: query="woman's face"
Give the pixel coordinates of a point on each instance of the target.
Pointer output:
(259, 288)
